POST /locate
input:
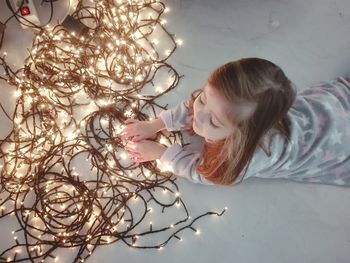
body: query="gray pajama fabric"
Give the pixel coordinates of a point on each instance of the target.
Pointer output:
(319, 151)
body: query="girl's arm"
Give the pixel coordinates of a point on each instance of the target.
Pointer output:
(175, 118)
(182, 163)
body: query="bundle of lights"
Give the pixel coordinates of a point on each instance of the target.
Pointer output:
(65, 175)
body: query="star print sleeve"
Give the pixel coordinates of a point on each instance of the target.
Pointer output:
(176, 118)
(183, 163)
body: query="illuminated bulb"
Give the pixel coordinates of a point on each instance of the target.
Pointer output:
(163, 21)
(167, 52)
(147, 173)
(179, 41)
(166, 10)
(124, 156)
(18, 93)
(198, 232)
(128, 113)
(71, 136)
(162, 140)
(109, 147)
(159, 89)
(138, 60)
(104, 122)
(164, 167)
(155, 41)
(18, 120)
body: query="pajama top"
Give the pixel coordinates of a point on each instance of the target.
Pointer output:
(319, 148)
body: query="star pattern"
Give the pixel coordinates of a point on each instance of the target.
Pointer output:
(336, 137)
(305, 120)
(328, 106)
(319, 151)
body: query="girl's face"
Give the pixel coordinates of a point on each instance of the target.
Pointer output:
(209, 115)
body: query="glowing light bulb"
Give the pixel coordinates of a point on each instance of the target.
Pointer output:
(18, 93)
(159, 89)
(124, 156)
(179, 41)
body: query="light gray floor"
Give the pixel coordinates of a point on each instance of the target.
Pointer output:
(270, 221)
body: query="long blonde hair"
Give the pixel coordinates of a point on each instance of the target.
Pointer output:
(253, 80)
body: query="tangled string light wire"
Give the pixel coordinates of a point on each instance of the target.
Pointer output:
(65, 175)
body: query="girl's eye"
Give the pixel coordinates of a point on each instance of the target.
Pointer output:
(200, 99)
(211, 120)
(212, 124)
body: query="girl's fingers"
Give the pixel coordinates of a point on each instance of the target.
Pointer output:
(135, 138)
(136, 160)
(130, 145)
(126, 136)
(129, 151)
(127, 132)
(131, 121)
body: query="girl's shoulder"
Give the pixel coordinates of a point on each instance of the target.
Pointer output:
(335, 90)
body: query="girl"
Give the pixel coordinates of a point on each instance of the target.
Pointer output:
(253, 124)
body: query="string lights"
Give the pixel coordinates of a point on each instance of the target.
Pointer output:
(65, 175)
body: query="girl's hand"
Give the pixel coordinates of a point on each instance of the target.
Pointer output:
(144, 151)
(138, 130)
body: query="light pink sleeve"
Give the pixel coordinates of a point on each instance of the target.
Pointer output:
(183, 163)
(175, 118)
